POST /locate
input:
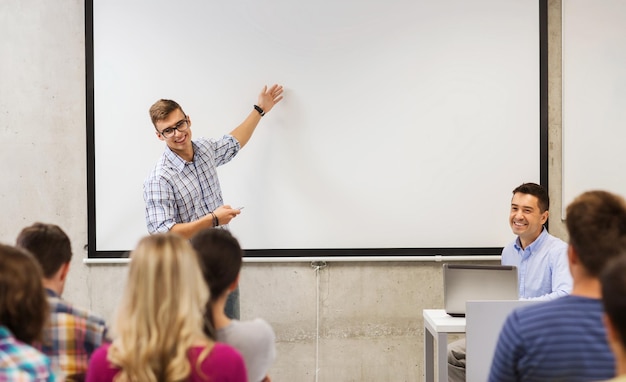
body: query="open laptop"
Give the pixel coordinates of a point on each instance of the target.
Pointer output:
(464, 282)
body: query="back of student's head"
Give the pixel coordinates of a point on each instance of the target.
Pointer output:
(220, 257)
(161, 312)
(596, 223)
(23, 303)
(49, 244)
(537, 191)
(613, 280)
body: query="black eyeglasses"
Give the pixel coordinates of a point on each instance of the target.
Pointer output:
(181, 126)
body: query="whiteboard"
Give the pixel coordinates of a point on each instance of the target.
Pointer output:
(594, 97)
(405, 124)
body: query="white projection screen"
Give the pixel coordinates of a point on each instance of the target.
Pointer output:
(405, 124)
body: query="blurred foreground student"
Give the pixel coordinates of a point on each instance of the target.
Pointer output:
(613, 282)
(23, 312)
(564, 339)
(158, 331)
(221, 257)
(72, 334)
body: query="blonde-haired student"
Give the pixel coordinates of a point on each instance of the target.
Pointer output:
(158, 333)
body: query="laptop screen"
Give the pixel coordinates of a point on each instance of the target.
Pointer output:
(464, 282)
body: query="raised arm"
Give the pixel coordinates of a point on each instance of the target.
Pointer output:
(267, 99)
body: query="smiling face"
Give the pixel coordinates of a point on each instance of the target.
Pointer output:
(180, 141)
(526, 217)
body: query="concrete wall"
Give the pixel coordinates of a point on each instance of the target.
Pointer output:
(370, 326)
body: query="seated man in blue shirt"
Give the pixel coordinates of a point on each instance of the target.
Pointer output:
(564, 339)
(541, 260)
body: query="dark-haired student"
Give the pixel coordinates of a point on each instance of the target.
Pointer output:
(71, 334)
(220, 257)
(23, 312)
(613, 281)
(564, 339)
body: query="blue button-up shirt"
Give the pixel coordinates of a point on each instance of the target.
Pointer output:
(543, 267)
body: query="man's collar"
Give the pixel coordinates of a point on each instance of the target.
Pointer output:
(175, 159)
(535, 243)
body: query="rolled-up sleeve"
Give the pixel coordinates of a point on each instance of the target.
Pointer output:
(160, 205)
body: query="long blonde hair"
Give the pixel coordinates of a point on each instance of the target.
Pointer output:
(161, 315)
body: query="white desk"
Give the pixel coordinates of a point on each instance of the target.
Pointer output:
(437, 325)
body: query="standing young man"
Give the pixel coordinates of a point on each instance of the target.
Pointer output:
(182, 193)
(540, 258)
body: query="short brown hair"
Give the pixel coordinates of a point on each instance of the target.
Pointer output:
(49, 244)
(162, 108)
(596, 223)
(23, 302)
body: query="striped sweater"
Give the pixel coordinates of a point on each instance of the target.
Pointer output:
(558, 340)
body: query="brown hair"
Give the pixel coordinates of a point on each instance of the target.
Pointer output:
(220, 260)
(162, 108)
(23, 303)
(535, 190)
(596, 223)
(613, 280)
(49, 244)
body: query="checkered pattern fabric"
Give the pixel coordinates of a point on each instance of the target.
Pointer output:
(71, 336)
(20, 362)
(181, 192)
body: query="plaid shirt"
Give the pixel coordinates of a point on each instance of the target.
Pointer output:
(71, 336)
(177, 191)
(20, 362)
